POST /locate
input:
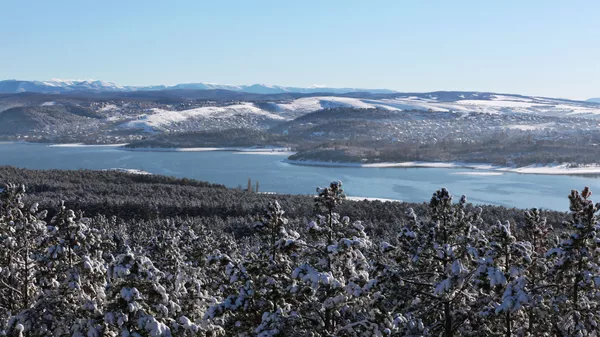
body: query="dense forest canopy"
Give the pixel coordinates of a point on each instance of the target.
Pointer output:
(144, 255)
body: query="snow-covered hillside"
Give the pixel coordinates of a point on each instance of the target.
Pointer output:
(467, 102)
(496, 104)
(360, 98)
(161, 119)
(306, 105)
(250, 114)
(157, 119)
(242, 114)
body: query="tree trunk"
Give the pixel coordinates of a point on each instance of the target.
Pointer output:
(508, 325)
(26, 280)
(447, 320)
(507, 270)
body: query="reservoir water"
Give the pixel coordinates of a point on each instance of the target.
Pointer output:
(233, 169)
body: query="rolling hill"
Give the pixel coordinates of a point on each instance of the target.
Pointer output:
(123, 116)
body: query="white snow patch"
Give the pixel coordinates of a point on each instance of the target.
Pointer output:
(86, 145)
(555, 169)
(372, 199)
(475, 173)
(509, 98)
(496, 103)
(126, 170)
(108, 107)
(48, 103)
(530, 127)
(287, 153)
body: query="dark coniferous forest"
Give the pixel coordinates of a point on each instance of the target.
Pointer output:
(104, 253)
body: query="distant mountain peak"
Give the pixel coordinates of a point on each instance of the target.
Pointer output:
(57, 85)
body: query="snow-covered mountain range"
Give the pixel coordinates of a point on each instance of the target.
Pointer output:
(61, 86)
(65, 86)
(58, 86)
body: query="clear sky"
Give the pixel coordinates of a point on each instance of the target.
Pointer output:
(537, 47)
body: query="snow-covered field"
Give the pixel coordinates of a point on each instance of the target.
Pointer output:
(487, 169)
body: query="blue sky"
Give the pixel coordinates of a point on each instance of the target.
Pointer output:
(549, 48)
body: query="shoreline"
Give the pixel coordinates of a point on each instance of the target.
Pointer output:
(121, 146)
(485, 169)
(127, 170)
(238, 150)
(85, 145)
(351, 198)
(476, 169)
(24, 142)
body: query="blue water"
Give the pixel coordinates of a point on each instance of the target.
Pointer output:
(233, 169)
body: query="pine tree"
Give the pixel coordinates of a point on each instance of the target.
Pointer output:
(502, 272)
(335, 282)
(257, 292)
(22, 232)
(71, 279)
(137, 302)
(443, 253)
(576, 269)
(536, 231)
